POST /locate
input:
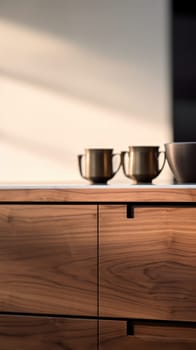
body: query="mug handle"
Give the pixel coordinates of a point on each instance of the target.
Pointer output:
(123, 153)
(164, 160)
(114, 172)
(80, 156)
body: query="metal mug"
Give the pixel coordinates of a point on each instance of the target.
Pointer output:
(98, 167)
(143, 164)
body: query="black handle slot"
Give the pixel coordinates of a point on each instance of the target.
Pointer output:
(133, 205)
(161, 329)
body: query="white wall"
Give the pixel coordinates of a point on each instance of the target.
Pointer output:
(77, 74)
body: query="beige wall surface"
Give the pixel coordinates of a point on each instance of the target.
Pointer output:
(76, 74)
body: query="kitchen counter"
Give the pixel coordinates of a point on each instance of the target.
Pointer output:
(98, 193)
(83, 186)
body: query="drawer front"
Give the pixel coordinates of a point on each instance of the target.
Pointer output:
(148, 263)
(113, 335)
(48, 259)
(43, 333)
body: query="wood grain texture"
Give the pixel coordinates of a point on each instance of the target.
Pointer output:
(148, 263)
(109, 194)
(43, 333)
(113, 337)
(48, 259)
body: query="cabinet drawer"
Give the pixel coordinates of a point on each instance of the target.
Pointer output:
(113, 335)
(48, 259)
(148, 263)
(44, 333)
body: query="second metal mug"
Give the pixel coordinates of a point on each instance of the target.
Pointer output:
(98, 165)
(143, 164)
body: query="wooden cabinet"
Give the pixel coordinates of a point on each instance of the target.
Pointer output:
(83, 276)
(48, 259)
(48, 273)
(147, 277)
(148, 263)
(47, 333)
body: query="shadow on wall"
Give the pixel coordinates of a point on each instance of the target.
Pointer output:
(102, 26)
(56, 155)
(105, 52)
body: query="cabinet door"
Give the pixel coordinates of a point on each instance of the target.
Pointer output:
(48, 259)
(148, 263)
(113, 335)
(47, 333)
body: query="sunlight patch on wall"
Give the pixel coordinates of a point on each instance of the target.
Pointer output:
(42, 132)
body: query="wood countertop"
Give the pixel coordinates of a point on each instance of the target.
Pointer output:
(98, 193)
